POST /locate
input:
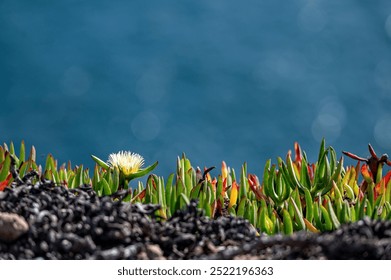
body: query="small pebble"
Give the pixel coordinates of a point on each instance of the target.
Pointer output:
(12, 226)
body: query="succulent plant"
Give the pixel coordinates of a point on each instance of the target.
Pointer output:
(120, 169)
(293, 194)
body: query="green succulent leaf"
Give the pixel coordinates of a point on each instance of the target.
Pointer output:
(243, 182)
(79, 176)
(298, 215)
(333, 216)
(292, 174)
(100, 162)
(241, 208)
(2, 154)
(142, 172)
(22, 153)
(186, 200)
(288, 226)
(309, 208)
(12, 149)
(23, 169)
(49, 165)
(96, 179)
(116, 180)
(5, 168)
(328, 225)
(105, 187)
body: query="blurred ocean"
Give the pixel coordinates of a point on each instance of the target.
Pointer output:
(217, 79)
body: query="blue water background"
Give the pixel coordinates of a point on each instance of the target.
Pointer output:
(238, 81)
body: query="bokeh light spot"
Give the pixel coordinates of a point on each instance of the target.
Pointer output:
(383, 75)
(146, 126)
(327, 126)
(330, 120)
(382, 132)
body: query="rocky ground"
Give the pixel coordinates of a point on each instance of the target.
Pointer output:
(50, 222)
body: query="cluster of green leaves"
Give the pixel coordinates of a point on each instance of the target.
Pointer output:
(293, 194)
(106, 180)
(6, 152)
(60, 175)
(321, 196)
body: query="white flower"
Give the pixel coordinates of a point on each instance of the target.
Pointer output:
(127, 162)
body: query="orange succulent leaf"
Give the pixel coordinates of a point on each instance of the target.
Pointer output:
(254, 185)
(252, 179)
(214, 183)
(298, 154)
(224, 170)
(381, 186)
(208, 177)
(4, 183)
(234, 194)
(219, 206)
(141, 195)
(357, 169)
(213, 207)
(310, 226)
(387, 177)
(366, 173)
(311, 171)
(325, 202)
(224, 187)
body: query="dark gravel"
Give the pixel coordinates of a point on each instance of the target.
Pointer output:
(77, 224)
